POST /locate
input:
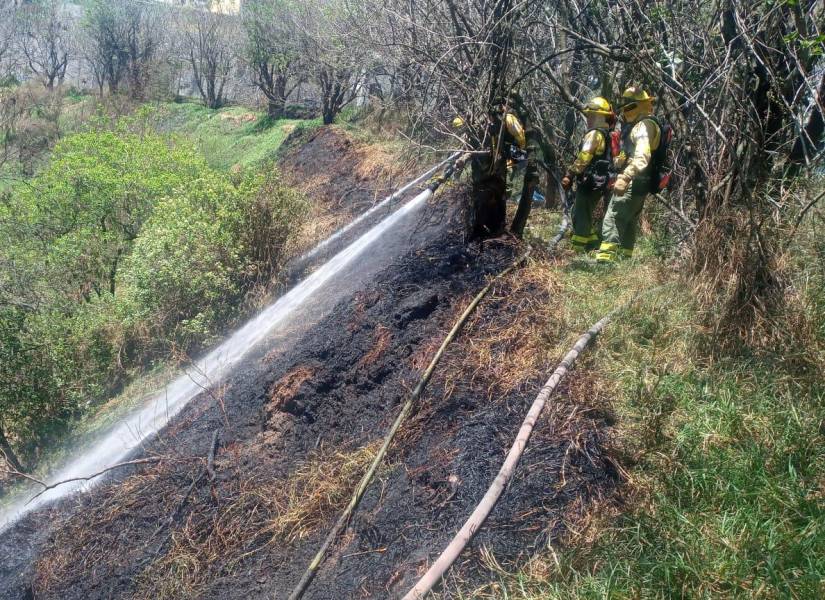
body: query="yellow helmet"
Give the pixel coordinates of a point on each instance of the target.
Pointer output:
(598, 106)
(458, 123)
(634, 95)
(636, 103)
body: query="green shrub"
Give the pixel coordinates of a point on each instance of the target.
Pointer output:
(127, 247)
(201, 251)
(83, 211)
(54, 365)
(184, 274)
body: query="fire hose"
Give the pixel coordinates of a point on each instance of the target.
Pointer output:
(483, 509)
(485, 506)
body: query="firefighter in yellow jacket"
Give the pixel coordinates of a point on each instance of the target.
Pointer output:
(503, 135)
(591, 171)
(641, 136)
(504, 132)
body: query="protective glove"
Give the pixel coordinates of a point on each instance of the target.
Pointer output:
(566, 181)
(621, 185)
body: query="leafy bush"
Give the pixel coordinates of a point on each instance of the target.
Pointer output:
(201, 251)
(127, 246)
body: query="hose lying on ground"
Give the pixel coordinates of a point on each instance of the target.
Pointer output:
(343, 519)
(565, 223)
(309, 574)
(476, 519)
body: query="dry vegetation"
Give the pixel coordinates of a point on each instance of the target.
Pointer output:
(719, 452)
(245, 510)
(254, 512)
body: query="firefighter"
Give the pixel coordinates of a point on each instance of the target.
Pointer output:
(591, 171)
(506, 140)
(529, 157)
(504, 134)
(641, 136)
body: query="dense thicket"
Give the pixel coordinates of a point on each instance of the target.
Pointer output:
(741, 82)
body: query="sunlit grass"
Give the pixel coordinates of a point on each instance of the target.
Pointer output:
(229, 136)
(725, 495)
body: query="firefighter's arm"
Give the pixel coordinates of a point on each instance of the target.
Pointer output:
(642, 135)
(592, 144)
(516, 130)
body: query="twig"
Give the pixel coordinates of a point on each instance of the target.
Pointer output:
(676, 211)
(803, 212)
(376, 551)
(15, 473)
(210, 461)
(130, 463)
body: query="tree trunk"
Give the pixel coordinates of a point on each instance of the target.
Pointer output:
(8, 453)
(275, 109)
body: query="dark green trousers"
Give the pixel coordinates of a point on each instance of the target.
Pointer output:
(621, 221)
(584, 230)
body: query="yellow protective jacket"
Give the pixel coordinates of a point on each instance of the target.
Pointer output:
(516, 130)
(593, 144)
(637, 149)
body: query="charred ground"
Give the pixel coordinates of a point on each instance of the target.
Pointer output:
(297, 427)
(342, 175)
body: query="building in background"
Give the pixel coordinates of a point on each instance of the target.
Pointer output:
(224, 7)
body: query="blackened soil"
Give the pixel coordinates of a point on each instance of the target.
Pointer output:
(337, 388)
(339, 173)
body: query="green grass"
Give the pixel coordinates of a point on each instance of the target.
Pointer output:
(726, 457)
(229, 136)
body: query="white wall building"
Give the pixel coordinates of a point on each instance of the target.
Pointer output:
(224, 7)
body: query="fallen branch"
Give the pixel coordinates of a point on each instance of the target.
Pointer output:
(22, 475)
(46, 488)
(209, 470)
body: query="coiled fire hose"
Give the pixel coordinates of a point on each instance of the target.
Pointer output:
(358, 494)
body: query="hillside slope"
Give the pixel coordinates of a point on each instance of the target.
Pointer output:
(296, 430)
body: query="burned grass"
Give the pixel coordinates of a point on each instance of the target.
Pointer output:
(342, 175)
(92, 547)
(298, 428)
(248, 513)
(285, 388)
(383, 337)
(703, 440)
